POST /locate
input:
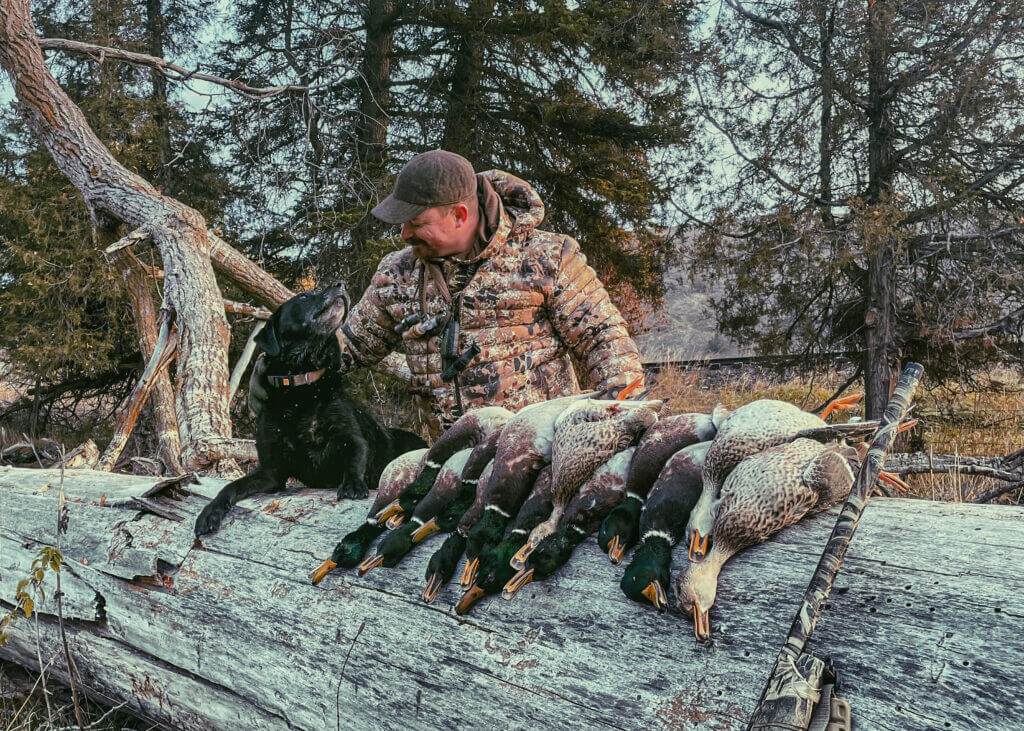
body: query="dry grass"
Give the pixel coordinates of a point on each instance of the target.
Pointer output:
(986, 420)
(23, 708)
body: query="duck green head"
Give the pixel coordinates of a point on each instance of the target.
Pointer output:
(552, 553)
(487, 532)
(397, 544)
(647, 575)
(620, 530)
(495, 570)
(349, 551)
(441, 566)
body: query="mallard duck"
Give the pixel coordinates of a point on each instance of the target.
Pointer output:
(398, 543)
(619, 531)
(748, 430)
(447, 519)
(494, 568)
(523, 450)
(663, 524)
(602, 492)
(763, 494)
(586, 436)
(441, 566)
(470, 429)
(350, 550)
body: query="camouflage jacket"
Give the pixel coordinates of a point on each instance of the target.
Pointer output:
(530, 301)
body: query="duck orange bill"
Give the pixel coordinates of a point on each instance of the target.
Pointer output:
(517, 582)
(698, 546)
(322, 570)
(469, 573)
(370, 563)
(616, 548)
(846, 402)
(395, 520)
(433, 586)
(701, 624)
(471, 597)
(387, 511)
(519, 560)
(428, 528)
(656, 596)
(624, 393)
(893, 481)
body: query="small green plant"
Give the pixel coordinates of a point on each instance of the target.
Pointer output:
(30, 590)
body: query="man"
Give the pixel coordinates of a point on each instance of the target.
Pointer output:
(486, 307)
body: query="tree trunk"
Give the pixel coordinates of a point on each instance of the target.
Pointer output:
(923, 624)
(155, 47)
(465, 99)
(111, 190)
(881, 361)
(372, 132)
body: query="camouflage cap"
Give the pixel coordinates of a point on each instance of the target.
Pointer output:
(435, 178)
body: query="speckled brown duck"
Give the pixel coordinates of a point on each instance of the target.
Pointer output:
(748, 430)
(663, 524)
(763, 494)
(470, 429)
(586, 436)
(602, 492)
(396, 544)
(620, 530)
(350, 550)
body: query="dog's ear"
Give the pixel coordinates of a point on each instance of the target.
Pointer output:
(267, 339)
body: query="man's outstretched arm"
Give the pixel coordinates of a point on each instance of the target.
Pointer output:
(590, 324)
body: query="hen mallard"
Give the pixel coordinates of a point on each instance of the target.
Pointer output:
(748, 430)
(587, 434)
(602, 492)
(763, 494)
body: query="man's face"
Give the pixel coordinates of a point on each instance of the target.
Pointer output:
(436, 232)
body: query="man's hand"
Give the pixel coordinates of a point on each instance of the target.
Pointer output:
(258, 386)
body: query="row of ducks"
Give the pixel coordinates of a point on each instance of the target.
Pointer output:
(518, 493)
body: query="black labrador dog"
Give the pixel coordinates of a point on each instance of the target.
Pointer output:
(311, 428)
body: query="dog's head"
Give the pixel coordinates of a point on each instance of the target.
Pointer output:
(300, 333)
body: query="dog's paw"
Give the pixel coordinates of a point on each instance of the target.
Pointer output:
(210, 518)
(352, 487)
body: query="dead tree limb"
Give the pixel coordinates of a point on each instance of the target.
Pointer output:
(162, 403)
(170, 70)
(163, 352)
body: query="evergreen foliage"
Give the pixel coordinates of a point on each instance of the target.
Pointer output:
(857, 133)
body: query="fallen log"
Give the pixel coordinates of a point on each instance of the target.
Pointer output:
(923, 623)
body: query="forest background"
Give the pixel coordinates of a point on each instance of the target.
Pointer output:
(846, 175)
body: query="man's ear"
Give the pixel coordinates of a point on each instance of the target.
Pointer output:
(461, 213)
(267, 339)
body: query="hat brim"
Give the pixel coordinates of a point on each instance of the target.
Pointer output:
(392, 210)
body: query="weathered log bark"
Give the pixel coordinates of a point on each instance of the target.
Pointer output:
(923, 624)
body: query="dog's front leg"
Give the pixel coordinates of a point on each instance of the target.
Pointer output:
(353, 479)
(259, 481)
